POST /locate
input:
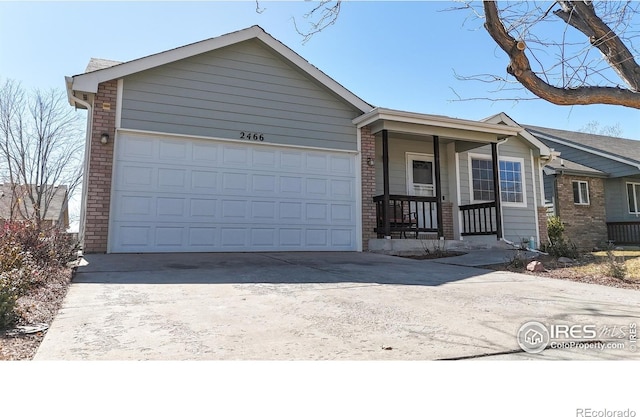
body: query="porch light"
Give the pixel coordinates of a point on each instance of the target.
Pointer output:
(371, 162)
(104, 138)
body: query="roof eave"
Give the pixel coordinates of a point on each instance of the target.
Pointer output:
(433, 120)
(589, 150)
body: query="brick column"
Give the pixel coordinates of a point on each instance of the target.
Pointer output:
(368, 150)
(542, 226)
(100, 169)
(447, 220)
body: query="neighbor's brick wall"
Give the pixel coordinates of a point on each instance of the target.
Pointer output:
(447, 220)
(584, 225)
(368, 150)
(542, 226)
(100, 167)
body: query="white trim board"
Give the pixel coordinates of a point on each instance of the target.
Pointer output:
(88, 82)
(238, 141)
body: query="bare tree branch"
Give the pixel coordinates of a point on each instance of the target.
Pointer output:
(582, 16)
(40, 149)
(520, 67)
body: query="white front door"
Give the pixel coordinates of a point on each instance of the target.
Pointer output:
(420, 175)
(421, 182)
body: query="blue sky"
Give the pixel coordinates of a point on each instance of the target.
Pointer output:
(399, 55)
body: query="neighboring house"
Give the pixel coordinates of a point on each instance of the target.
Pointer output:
(236, 143)
(595, 187)
(15, 204)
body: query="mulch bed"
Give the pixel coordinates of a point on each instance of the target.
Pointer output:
(556, 270)
(36, 308)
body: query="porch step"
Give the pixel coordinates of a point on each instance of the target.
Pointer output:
(416, 247)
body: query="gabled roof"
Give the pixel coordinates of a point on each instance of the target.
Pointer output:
(621, 150)
(9, 195)
(503, 118)
(88, 82)
(561, 165)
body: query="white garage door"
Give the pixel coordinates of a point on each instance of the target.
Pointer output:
(184, 195)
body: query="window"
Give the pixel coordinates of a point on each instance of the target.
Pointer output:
(581, 192)
(511, 180)
(482, 179)
(633, 196)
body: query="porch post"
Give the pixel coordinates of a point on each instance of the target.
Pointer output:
(436, 159)
(496, 189)
(385, 182)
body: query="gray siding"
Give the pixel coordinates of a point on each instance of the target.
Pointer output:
(613, 168)
(518, 222)
(549, 187)
(398, 164)
(615, 195)
(245, 87)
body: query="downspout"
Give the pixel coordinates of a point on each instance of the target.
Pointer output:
(87, 151)
(535, 195)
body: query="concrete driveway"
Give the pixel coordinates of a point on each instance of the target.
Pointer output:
(317, 306)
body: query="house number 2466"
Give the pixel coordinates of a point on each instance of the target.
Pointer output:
(252, 136)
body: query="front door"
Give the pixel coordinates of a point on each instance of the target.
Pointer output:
(420, 175)
(420, 182)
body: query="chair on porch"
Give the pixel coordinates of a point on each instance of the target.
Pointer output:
(400, 219)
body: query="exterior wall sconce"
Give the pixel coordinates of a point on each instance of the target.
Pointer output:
(104, 138)
(371, 162)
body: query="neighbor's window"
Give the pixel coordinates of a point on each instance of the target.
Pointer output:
(511, 180)
(581, 192)
(633, 196)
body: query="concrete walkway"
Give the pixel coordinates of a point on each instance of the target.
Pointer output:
(314, 306)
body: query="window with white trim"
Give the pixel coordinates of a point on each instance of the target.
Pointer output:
(511, 176)
(580, 192)
(633, 197)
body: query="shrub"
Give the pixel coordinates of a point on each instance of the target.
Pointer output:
(27, 254)
(555, 229)
(558, 246)
(517, 261)
(616, 268)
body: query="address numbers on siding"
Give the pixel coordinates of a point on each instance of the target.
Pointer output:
(252, 136)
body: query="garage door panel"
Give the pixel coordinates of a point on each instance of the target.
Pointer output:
(172, 150)
(171, 178)
(233, 182)
(137, 148)
(235, 156)
(169, 236)
(202, 237)
(200, 207)
(215, 196)
(204, 153)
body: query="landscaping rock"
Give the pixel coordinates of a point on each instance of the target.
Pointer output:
(535, 266)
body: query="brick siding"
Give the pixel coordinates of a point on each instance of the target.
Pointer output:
(447, 220)
(368, 150)
(100, 170)
(585, 225)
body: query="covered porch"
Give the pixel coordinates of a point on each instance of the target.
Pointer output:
(412, 176)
